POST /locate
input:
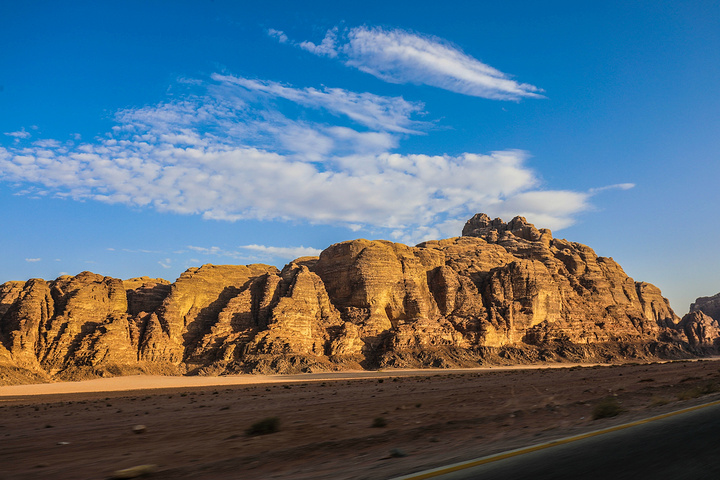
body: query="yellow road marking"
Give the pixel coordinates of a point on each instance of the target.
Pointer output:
(521, 451)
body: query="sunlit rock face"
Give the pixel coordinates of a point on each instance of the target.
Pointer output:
(502, 292)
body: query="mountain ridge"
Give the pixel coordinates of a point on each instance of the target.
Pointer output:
(500, 293)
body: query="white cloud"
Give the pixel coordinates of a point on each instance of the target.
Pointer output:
(390, 114)
(229, 153)
(279, 34)
(617, 186)
(327, 48)
(47, 143)
(167, 263)
(20, 134)
(399, 56)
(33, 259)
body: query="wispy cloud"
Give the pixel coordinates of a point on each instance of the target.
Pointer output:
(217, 251)
(327, 48)
(258, 252)
(400, 56)
(47, 143)
(280, 35)
(32, 260)
(617, 186)
(391, 114)
(283, 252)
(229, 152)
(19, 135)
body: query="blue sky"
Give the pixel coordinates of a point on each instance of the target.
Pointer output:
(143, 138)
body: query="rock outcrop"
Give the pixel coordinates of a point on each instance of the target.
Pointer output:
(701, 330)
(502, 292)
(701, 325)
(710, 306)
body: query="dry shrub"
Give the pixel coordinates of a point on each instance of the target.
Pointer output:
(379, 422)
(608, 407)
(659, 401)
(699, 391)
(264, 426)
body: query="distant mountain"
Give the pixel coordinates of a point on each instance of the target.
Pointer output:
(710, 306)
(501, 293)
(702, 324)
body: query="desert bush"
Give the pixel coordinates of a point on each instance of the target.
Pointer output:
(264, 426)
(608, 407)
(659, 401)
(699, 391)
(379, 422)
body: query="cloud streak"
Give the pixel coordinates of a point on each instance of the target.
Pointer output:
(617, 186)
(399, 56)
(392, 114)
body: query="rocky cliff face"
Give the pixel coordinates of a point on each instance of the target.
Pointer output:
(710, 306)
(499, 293)
(702, 324)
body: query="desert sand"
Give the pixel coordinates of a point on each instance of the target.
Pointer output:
(152, 382)
(330, 425)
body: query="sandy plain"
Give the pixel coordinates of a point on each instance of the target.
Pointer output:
(196, 426)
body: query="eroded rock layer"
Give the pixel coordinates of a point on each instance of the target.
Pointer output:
(500, 293)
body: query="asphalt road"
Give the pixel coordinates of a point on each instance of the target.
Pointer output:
(683, 446)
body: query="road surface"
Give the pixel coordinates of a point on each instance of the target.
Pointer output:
(681, 446)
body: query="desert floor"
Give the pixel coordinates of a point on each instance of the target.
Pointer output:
(196, 426)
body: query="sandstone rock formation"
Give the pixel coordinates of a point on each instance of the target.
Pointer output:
(710, 306)
(702, 324)
(500, 293)
(700, 329)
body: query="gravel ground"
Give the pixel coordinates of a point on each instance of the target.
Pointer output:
(369, 425)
